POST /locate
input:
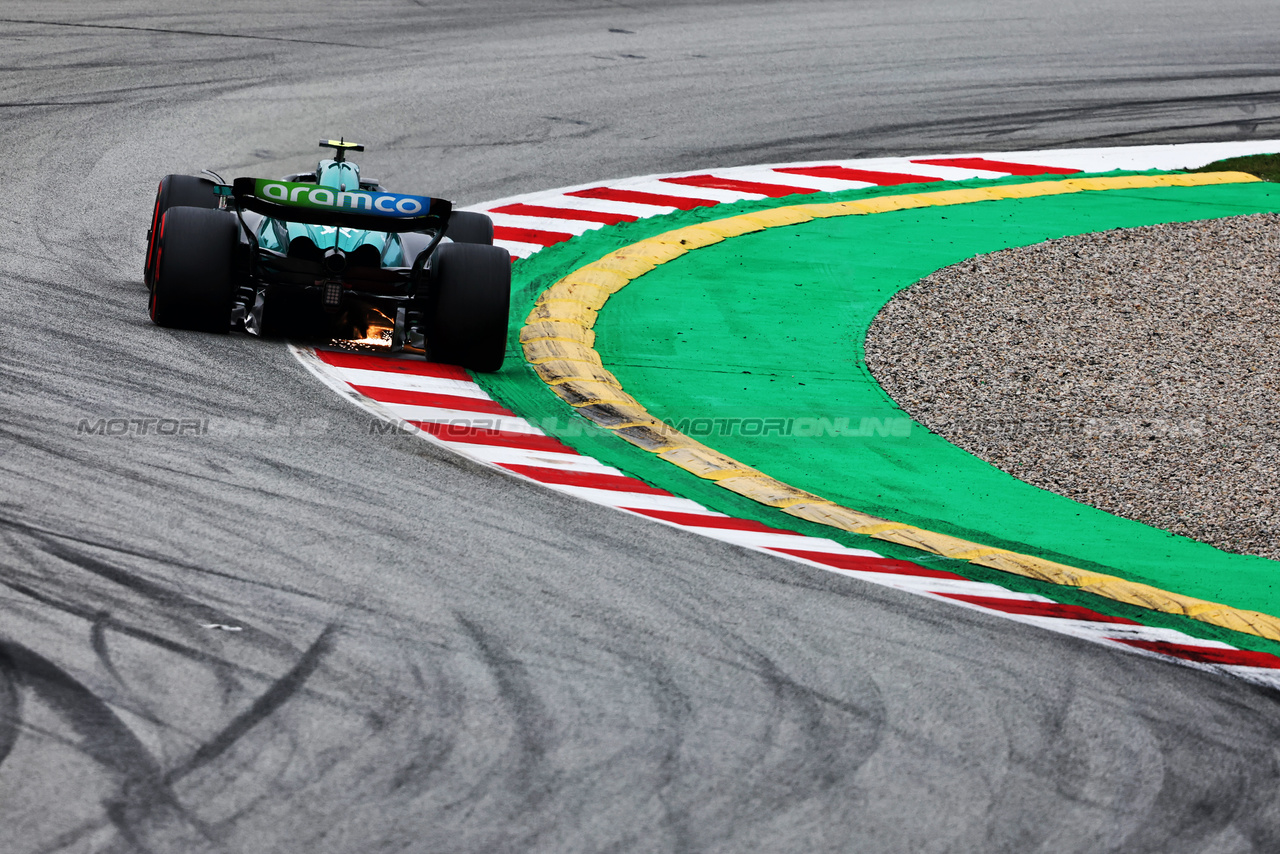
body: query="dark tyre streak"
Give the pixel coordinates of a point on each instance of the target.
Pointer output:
(10, 707)
(523, 778)
(272, 699)
(143, 794)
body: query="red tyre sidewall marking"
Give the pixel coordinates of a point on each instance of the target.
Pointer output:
(152, 240)
(159, 242)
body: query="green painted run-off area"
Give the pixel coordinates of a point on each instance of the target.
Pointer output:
(754, 346)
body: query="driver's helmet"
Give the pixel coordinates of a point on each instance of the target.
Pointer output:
(338, 175)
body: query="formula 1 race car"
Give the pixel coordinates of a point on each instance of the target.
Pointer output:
(327, 253)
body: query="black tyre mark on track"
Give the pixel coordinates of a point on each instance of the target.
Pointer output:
(174, 32)
(163, 598)
(1168, 110)
(39, 533)
(1059, 126)
(146, 797)
(432, 752)
(98, 641)
(10, 707)
(272, 699)
(521, 774)
(809, 745)
(144, 792)
(182, 614)
(169, 645)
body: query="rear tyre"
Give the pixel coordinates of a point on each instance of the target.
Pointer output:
(470, 292)
(193, 285)
(469, 227)
(176, 191)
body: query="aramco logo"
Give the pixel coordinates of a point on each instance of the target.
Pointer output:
(323, 197)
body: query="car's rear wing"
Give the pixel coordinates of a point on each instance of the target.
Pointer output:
(362, 209)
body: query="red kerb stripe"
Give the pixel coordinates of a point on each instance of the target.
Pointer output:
(565, 213)
(843, 173)
(868, 564)
(529, 235)
(616, 482)
(440, 401)
(711, 182)
(998, 166)
(1209, 655)
(1039, 609)
(699, 520)
(609, 194)
(466, 434)
(392, 364)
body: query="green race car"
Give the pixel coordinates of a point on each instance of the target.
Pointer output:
(328, 254)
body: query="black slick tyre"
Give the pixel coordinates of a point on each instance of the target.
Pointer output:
(469, 227)
(175, 191)
(468, 298)
(193, 285)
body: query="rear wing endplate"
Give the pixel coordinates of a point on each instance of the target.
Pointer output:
(362, 209)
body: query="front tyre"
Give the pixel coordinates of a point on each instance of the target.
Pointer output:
(175, 191)
(193, 285)
(470, 292)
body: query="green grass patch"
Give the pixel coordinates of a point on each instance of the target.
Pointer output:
(1264, 166)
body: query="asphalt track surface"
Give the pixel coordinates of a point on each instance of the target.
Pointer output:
(281, 633)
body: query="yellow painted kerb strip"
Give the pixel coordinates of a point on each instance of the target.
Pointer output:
(558, 340)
